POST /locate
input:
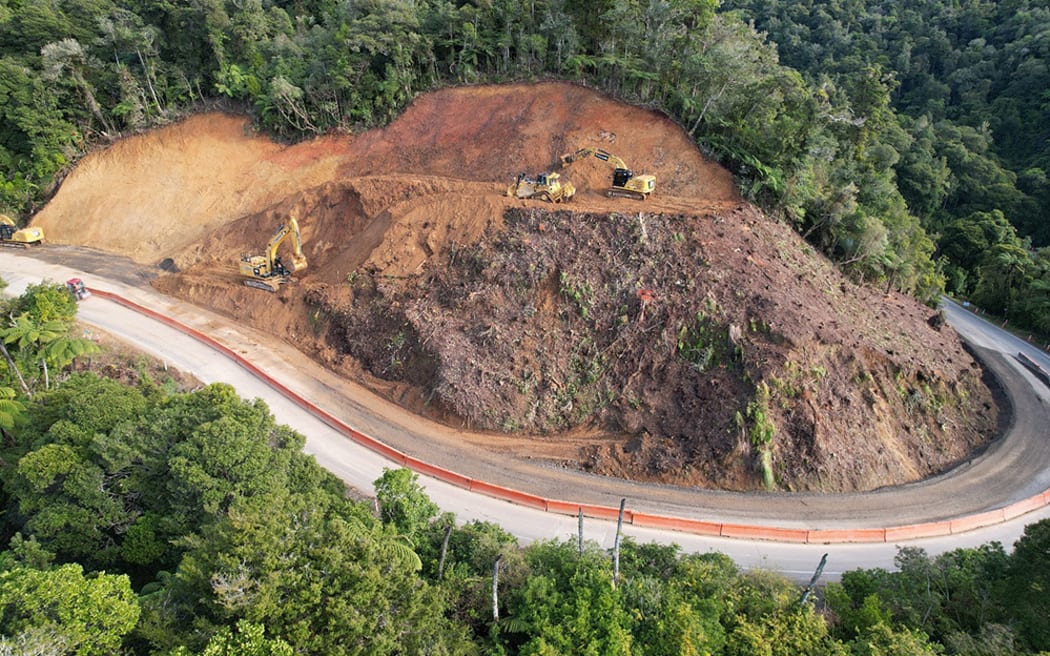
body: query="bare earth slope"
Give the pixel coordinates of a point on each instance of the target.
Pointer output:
(648, 340)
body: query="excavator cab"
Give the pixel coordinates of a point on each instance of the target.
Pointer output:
(621, 177)
(268, 272)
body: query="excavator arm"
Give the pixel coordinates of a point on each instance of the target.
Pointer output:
(597, 153)
(290, 228)
(624, 182)
(267, 271)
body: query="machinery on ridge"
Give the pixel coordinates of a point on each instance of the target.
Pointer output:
(10, 235)
(545, 186)
(268, 272)
(625, 183)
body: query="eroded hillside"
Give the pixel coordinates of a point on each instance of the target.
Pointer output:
(651, 340)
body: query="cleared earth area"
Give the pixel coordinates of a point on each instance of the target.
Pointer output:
(686, 339)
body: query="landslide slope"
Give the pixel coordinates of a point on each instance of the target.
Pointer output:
(685, 340)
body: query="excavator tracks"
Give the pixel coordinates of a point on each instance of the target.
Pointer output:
(259, 284)
(626, 193)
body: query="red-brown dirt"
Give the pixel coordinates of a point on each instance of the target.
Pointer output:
(647, 340)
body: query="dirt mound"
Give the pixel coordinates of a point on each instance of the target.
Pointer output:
(651, 340)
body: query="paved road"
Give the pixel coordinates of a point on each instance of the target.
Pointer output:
(1013, 468)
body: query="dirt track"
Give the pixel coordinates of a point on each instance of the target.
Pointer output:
(868, 390)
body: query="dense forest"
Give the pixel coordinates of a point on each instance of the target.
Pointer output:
(140, 517)
(910, 143)
(966, 130)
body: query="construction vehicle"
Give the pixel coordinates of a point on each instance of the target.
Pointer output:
(77, 288)
(10, 235)
(268, 272)
(625, 183)
(545, 186)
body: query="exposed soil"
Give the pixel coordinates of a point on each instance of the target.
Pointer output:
(646, 340)
(119, 360)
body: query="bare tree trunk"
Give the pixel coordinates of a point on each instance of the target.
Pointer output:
(813, 581)
(703, 112)
(616, 545)
(495, 588)
(444, 550)
(47, 378)
(18, 373)
(149, 81)
(93, 106)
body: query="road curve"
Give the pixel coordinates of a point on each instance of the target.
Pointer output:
(1014, 468)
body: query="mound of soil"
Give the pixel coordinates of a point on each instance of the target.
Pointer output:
(663, 340)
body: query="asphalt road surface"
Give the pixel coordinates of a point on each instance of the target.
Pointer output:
(1014, 467)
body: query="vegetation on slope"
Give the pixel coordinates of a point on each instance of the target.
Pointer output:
(965, 131)
(708, 350)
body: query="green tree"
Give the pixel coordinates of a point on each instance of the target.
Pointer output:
(1003, 272)
(62, 611)
(403, 502)
(322, 579)
(1025, 594)
(68, 494)
(568, 605)
(881, 640)
(69, 57)
(10, 409)
(249, 640)
(38, 333)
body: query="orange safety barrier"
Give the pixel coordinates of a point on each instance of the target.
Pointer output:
(563, 507)
(913, 531)
(980, 520)
(440, 473)
(507, 494)
(589, 510)
(764, 533)
(699, 527)
(833, 535)
(695, 526)
(607, 512)
(1023, 507)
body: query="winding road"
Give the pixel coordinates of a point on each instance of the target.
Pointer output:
(1012, 473)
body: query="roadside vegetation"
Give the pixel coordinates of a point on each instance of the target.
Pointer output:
(146, 517)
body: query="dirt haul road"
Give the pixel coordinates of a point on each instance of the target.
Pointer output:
(633, 340)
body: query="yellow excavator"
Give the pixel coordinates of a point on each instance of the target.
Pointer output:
(10, 235)
(545, 186)
(267, 271)
(625, 183)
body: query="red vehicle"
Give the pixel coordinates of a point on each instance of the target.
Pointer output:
(76, 286)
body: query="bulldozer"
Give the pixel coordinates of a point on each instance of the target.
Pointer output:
(625, 183)
(268, 272)
(545, 186)
(10, 235)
